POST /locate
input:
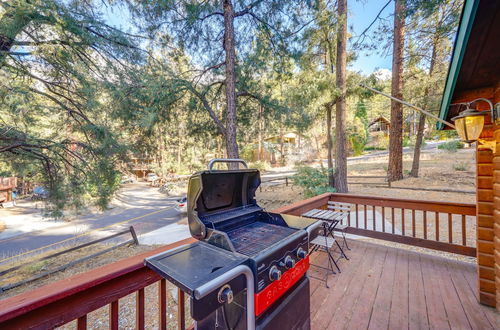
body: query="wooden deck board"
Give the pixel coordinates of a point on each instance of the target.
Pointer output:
(469, 302)
(382, 305)
(382, 287)
(343, 311)
(417, 308)
(361, 312)
(451, 301)
(325, 311)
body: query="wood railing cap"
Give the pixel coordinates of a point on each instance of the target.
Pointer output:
(302, 203)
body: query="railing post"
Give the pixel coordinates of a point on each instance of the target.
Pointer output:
(437, 226)
(393, 220)
(162, 304)
(464, 235)
(374, 218)
(113, 315)
(413, 222)
(139, 310)
(134, 235)
(403, 221)
(181, 316)
(450, 228)
(81, 324)
(425, 224)
(383, 219)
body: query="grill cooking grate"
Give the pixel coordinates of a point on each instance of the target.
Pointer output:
(257, 236)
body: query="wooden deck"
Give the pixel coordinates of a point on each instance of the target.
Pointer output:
(387, 288)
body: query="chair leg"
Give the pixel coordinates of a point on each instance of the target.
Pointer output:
(334, 262)
(345, 241)
(341, 251)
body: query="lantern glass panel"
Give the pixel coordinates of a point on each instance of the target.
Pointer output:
(472, 124)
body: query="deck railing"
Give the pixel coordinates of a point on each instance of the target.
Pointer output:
(74, 298)
(435, 225)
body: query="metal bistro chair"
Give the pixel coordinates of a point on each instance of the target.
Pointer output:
(342, 225)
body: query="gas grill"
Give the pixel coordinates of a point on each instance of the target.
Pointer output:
(223, 214)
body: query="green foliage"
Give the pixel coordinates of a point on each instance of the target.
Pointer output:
(374, 148)
(313, 181)
(260, 165)
(55, 127)
(406, 141)
(358, 131)
(461, 166)
(451, 146)
(447, 134)
(357, 144)
(247, 152)
(383, 143)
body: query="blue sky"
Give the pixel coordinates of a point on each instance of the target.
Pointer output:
(361, 14)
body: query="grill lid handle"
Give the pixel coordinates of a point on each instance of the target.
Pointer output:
(225, 160)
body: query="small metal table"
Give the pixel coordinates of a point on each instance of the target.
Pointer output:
(330, 219)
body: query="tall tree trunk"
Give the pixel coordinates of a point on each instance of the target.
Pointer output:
(421, 121)
(180, 146)
(340, 136)
(329, 143)
(261, 127)
(395, 169)
(418, 146)
(229, 48)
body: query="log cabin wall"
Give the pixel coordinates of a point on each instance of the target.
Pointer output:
(496, 187)
(488, 201)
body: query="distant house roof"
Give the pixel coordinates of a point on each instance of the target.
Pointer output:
(286, 136)
(475, 61)
(380, 120)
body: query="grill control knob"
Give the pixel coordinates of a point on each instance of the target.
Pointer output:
(274, 274)
(301, 253)
(289, 262)
(225, 295)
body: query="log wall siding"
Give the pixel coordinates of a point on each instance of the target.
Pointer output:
(496, 216)
(496, 225)
(485, 220)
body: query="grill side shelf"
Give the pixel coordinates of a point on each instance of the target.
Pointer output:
(191, 266)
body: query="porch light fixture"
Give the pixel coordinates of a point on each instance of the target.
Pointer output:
(470, 122)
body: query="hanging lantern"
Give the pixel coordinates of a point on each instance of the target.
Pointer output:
(469, 124)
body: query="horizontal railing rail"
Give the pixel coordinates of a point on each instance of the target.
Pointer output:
(435, 225)
(74, 298)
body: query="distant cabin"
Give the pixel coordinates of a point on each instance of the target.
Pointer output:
(380, 124)
(7, 186)
(290, 138)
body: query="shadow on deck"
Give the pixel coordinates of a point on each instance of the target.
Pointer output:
(382, 287)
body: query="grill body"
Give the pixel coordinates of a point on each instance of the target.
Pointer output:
(222, 211)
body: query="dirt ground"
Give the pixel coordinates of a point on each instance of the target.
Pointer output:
(436, 172)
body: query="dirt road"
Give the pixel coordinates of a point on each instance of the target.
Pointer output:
(135, 205)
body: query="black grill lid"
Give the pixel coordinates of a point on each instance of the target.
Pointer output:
(215, 196)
